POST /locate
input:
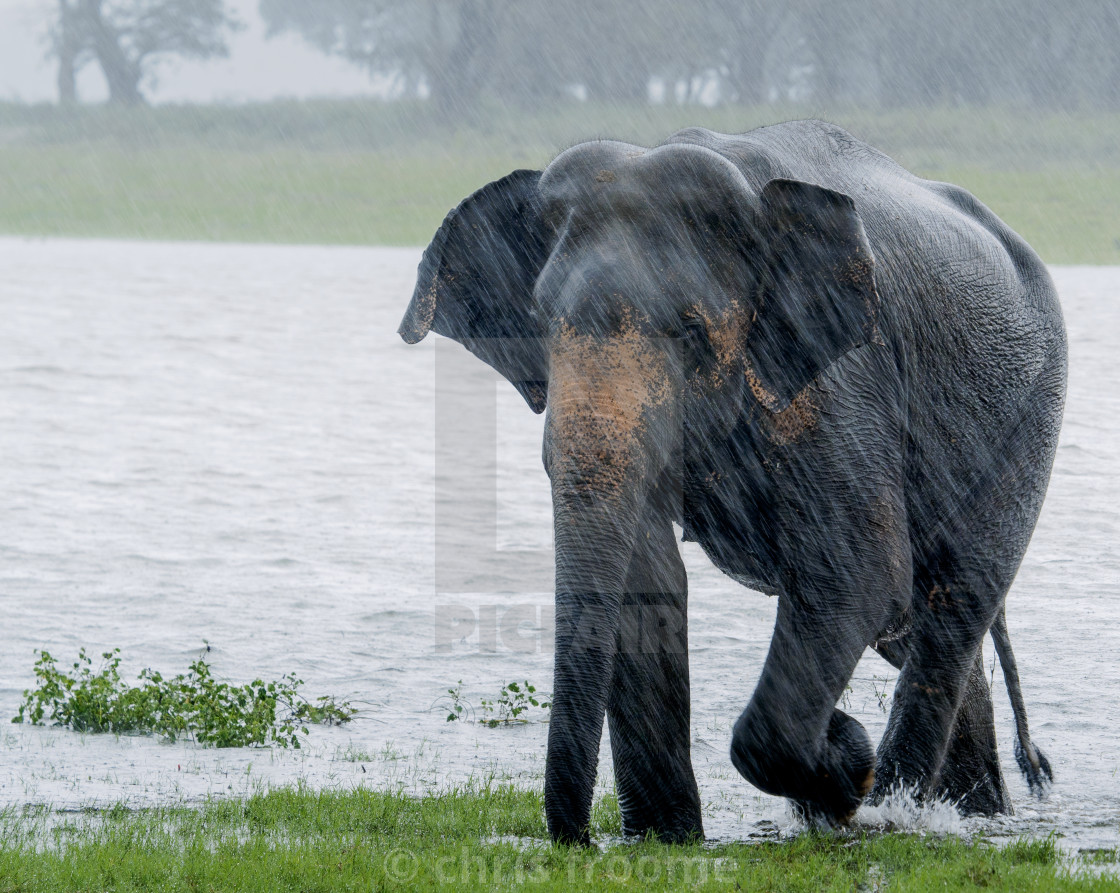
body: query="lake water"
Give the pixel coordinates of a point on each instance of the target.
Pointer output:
(230, 443)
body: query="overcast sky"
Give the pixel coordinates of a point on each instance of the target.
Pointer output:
(256, 69)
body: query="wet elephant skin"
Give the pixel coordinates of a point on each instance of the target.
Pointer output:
(844, 382)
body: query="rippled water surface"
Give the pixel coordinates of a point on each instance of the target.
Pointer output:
(230, 443)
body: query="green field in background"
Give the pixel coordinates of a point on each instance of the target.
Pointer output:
(200, 193)
(481, 839)
(370, 174)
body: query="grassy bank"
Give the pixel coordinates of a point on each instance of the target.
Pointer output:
(364, 173)
(475, 840)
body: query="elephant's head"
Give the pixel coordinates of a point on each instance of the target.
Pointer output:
(638, 294)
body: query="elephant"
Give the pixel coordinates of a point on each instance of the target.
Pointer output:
(844, 382)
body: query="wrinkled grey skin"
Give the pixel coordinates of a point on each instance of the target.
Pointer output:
(843, 381)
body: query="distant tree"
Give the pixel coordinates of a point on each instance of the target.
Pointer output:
(450, 46)
(844, 38)
(747, 30)
(67, 48)
(523, 52)
(911, 53)
(616, 49)
(127, 38)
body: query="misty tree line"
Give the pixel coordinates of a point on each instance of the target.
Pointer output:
(125, 37)
(532, 53)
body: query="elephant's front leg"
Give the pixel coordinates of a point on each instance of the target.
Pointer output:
(648, 708)
(791, 740)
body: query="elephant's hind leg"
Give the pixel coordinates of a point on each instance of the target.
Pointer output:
(970, 775)
(940, 738)
(648, 709)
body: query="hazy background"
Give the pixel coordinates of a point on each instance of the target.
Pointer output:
(364, 121)
(823, 53)
(257, 69)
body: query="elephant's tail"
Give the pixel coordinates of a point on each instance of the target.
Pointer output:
(1032, 762)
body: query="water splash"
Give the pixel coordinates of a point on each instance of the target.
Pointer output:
(900, 810)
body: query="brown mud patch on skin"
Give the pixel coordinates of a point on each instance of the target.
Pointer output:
(785, 426)
(792, 422)
(767, 399)
(939, 598)
(600, 390)
(724, 331)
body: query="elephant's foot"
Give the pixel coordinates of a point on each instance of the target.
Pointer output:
(973, 789)
(665, 828)
(826, 791)
(563, 827)
(570, 837)
(661, 802)
(811, 814)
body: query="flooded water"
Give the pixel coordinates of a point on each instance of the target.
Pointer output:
(231, 444)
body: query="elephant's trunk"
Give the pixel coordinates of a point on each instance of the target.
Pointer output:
(593, 546)
(611, 435)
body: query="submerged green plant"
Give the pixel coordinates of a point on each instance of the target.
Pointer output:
(455, 703)
(513, 700)
(192, 705)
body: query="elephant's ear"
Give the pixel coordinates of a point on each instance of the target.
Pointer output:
(475, 282)
(818, 297)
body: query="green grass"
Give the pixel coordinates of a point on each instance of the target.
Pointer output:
(199, 193)
(475, 839)
(366, 173)
(481, 838)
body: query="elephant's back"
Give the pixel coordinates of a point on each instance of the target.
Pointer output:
(964, 299)
(967, 307)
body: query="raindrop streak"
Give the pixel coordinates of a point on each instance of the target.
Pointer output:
(163, 453)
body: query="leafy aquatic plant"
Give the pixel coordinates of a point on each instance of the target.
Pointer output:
(456, 706)
(514, 699)
(193, 705)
